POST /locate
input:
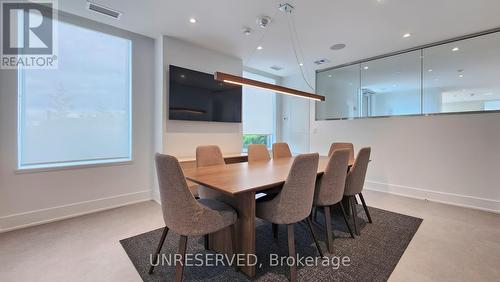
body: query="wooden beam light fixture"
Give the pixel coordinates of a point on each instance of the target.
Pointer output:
(234, 79)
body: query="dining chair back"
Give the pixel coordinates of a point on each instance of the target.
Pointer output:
(293, 203)
(281, 150)
(340, 146)
(354, 185)
(356, 176)
(330, 186)
(258, 152)
(209, 155)
(185, 215)
(330, 191)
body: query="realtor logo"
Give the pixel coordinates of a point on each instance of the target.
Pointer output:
(28, 35)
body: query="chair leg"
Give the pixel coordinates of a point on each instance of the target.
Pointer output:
(158, 249)
(329, 231)
(345, 219)
(366, 208)
(315, 216)
(354, 214)
(291, 252)
(309, 223)
(275, 231)
(206, 241)
(179, 267)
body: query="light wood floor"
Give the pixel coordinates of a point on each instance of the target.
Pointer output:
(452, 244)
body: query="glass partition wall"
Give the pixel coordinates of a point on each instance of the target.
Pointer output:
(448, 77)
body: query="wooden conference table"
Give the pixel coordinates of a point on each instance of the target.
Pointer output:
(242, 181)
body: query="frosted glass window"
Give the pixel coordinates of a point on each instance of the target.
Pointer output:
(79, 113)
(258, 112)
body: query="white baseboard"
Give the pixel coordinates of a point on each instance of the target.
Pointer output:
(436, 196)
(31, 218)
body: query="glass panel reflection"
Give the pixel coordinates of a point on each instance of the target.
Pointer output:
(391, 86)
(463, 76)
(340, 87)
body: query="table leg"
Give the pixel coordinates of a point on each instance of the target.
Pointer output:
(245, 205)
(220, 241)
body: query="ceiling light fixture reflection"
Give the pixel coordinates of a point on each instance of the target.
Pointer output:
(365, 68)
(406, 35)
(238, 80)
(455, 49)
(259, 47)
(192, 20)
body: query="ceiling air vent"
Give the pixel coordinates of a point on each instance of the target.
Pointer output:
(321, 61)
(276, 68)
(98, 8)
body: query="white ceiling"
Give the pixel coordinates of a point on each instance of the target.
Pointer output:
(368, 27)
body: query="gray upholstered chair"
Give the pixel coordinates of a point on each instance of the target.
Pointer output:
(210, 155)
(185, 215)
(340, 146)
(354, 184)
(258, 152)
(294, 202)
(281, 150)
(330, 191)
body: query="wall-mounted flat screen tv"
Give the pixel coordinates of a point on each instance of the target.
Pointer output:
(198, 96)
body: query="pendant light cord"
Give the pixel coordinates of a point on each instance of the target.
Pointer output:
(294, 38)
(298, 54)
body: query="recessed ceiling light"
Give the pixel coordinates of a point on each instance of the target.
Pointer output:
(259, 48)
(365, 68)
(461, 76)
(429, 70)
(301, 64)
(406, 35)
(455, 49)
(192, 20)
(337, 47)
(183, 76)
(329, 75)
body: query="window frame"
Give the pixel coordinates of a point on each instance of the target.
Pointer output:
(77, 164)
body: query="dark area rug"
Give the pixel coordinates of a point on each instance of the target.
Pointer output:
(373, 255)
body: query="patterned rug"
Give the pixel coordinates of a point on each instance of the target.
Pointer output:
(370, 257)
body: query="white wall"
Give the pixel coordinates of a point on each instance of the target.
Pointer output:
(293, 116)
(36, 197)
(448, 158)
(181, 138)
